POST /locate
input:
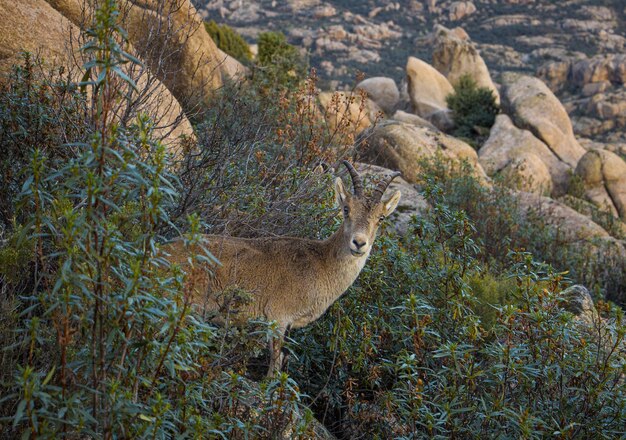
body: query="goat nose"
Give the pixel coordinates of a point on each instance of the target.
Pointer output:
(359, 243)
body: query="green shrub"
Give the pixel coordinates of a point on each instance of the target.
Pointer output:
(229, 41)
(105, 341)
(404, 355)
(492, 292)
(502, 225)
(280, 64)
(252, 172)
(36, 111)
(474, 110)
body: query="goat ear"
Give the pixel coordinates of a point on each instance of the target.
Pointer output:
(341, 195)
(391, 203)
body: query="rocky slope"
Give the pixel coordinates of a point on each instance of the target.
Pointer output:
(576, 46)
(535, 145)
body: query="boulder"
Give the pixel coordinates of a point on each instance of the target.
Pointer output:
(461, 9)
(580, 304)
(348, 110)
(383, 91)
(231, 68)
(401, 146)
(606, 106)
(599, 68)
(590, 127)
(526, 162)
(604, 176)
(574, 231)
(454, 57)
(170, 37)
(527, 173)
(410, 118)
(592, 70)
(555, 74)
(427, 88)
(596, 88)
(35, 26)
(571, 226)
(442, 119)
(532, 106)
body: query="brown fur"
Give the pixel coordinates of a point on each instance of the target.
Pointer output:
(292, 280)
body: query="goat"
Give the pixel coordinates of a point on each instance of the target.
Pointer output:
(292, 281)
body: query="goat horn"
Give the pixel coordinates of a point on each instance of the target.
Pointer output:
(382, 186)
(356, 179)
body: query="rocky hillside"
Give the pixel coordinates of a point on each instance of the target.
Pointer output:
(556, 72)
(474, 316)
(576, 46)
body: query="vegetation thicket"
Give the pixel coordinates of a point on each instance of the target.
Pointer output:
(280, 64)
(452, 330)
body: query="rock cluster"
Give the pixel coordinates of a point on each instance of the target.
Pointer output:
(460, 9)
(532, 146)
(383, 91)
(604, 176)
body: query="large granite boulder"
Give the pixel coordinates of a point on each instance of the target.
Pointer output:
(604, 176)
(571, 226)
(401, 146)
(231, 68)
(169, 36)
(35, 26)
(524, 161)
(383, 91)
(410, 118)
(427, 88)
(580, 304)
(532, 106)
(455, 56)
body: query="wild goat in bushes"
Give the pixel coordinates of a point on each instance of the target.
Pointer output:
(292, 281)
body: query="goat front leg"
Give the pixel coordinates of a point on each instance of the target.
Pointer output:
(276, 351)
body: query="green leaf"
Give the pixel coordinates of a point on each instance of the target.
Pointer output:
(146, 418)
(19, 413)
(49, 376)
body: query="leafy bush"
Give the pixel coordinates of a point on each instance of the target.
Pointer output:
(104, 340)
(229, 41)
(251, 172)
(280, 64)
(35, 112)
(502, 225)
(474, 110)
(404, 354)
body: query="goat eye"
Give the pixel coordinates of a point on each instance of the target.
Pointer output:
(346, 210)
(381, 218)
